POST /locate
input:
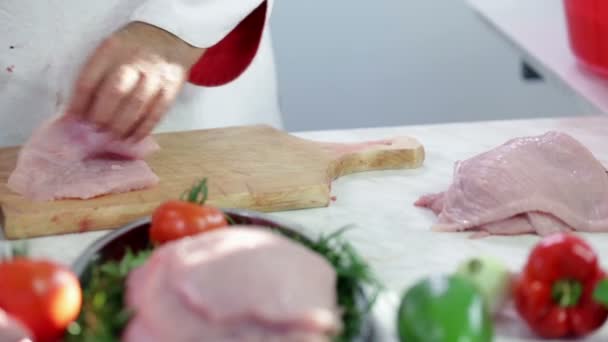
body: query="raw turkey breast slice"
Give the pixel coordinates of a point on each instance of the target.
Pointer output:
(66, 158)
(240, 284)
(539, 184)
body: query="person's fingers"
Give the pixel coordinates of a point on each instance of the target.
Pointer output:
(88, 81)
(134, 105)
(113, 90)
(171, 81)
(156, 111)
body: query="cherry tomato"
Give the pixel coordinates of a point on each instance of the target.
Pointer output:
(45, 297)
(177, 219)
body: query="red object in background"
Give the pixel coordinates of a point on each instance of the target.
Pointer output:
(228, 59)
(554, 293)
(587, 22)
(45, 297)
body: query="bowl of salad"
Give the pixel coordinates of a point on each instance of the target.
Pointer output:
(103, 269)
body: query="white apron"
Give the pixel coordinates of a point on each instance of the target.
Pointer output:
(43, 44)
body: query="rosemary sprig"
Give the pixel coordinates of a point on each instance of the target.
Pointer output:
(230, 220)
(198, 194)
(104, 316)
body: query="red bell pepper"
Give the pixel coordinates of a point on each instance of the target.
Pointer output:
(554, 293)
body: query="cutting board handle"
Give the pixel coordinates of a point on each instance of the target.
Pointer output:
(395, 153)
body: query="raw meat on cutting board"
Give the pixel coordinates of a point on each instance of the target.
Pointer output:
(66, 158)
(239, 284)
(539, 184)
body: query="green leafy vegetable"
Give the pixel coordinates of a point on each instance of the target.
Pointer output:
(104, 316)
(354, 275)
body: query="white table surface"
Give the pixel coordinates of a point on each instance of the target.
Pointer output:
(538, 29)
(389, 231)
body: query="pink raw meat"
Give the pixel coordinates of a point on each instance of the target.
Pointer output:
(66, 158)
(242, 284)
(540, 184)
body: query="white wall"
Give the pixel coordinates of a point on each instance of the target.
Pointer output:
(345, 63)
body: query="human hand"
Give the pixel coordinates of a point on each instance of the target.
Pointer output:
(132, 79)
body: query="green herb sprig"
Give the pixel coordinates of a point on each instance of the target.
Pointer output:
(198, 194)
(104, 316)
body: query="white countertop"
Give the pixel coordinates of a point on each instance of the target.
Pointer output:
(538, 29)
(389, 231)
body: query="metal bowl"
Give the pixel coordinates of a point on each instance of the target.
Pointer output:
(134, 236)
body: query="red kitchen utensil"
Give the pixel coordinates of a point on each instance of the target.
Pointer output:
(587, 22)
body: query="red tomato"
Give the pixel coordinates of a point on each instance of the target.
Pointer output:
(44, 296)
(177, 219)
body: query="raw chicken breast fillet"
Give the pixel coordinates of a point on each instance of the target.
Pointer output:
(66, 158)
(540, 184)
(240, 284)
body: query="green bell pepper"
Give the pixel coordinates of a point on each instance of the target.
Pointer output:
(444, 308)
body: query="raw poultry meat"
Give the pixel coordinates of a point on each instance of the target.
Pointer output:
(539, 184)
(67, 158)
(11, 330)
(242, 284)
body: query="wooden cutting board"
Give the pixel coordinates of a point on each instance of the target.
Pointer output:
(252, 167)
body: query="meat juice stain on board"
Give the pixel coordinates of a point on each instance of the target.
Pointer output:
(84, 225)
(11, 68)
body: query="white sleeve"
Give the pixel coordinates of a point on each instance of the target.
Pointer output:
(201, 23)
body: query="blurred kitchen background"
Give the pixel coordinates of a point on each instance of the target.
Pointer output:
(346, 64)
